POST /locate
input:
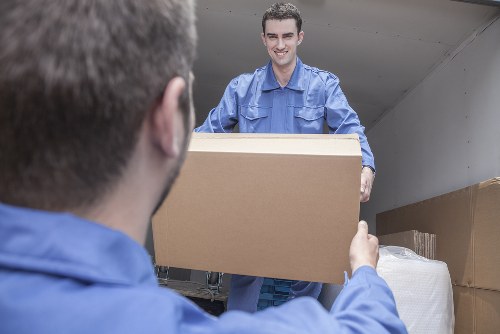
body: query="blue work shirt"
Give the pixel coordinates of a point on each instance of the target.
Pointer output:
(312, 97)
(63, 274)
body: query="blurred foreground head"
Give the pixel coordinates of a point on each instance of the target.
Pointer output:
(77, 79)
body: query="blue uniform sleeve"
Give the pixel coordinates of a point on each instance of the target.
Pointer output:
(342, 119)
(366, 305)
(224, 117)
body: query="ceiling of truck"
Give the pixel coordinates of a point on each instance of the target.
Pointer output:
(380, 49)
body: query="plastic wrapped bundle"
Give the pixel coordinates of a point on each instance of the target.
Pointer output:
(422, 289)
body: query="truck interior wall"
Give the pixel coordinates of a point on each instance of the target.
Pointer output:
(445, 134)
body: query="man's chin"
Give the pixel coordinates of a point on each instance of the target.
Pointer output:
(281, 61)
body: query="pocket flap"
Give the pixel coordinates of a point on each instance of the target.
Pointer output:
(309, 114)
(252, 113)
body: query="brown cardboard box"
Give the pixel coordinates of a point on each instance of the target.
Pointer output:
(283, 206)
(423, 244)
(407, 239)
(463, 305)
(467, 225)
(476, 310)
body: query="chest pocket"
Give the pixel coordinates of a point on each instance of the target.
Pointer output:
(308, 119)
(254, 119)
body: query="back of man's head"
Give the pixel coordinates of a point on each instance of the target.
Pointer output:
(77, 78)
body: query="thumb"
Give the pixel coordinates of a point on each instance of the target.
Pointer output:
(363, 227)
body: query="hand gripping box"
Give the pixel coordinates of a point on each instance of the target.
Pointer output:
(271, 205)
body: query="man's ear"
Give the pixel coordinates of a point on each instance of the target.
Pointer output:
(263, 38)
(167, 119)
(301, 37)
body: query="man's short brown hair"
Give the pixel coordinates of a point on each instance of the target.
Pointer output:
(77, 78)
(282, 11)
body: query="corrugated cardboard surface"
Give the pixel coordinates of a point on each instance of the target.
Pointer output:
(283, 206)
(467, 225)
(405, 239)
(476, 310)
(487, 235)
(463, 303)
(487, 311)
(449, 217)
(423, 244)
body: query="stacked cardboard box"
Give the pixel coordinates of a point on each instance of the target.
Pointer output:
(282, 206)
(476, 310)
(424, 244)
(467, 225)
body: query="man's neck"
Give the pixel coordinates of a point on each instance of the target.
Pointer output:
(127, 206)
(284, 73)
(116, 213)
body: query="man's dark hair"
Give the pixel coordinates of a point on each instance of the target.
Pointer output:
(282, 11)
(77, 78)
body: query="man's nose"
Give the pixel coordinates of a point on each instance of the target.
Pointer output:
(281, 43)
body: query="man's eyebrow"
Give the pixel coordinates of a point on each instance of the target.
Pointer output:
(287, 34)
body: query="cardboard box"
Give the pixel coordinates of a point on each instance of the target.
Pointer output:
(283, 206)
(467, 225)
(476, 310)
(463, 305)
(423, 244)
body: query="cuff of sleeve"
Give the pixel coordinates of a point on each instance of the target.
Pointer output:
(364, 269)
(369, 166)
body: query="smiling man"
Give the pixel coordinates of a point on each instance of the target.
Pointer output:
(286, 96)
(89, 146)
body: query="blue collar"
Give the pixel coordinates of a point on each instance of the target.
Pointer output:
(295, 82)
(66, 245)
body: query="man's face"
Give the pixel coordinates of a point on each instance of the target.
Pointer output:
(281, 39)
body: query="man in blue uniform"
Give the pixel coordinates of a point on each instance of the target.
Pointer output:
(286, 96)
(95, 116)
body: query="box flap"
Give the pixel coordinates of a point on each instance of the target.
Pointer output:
(297, 144)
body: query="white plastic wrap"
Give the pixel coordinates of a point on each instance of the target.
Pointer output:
(422, 289)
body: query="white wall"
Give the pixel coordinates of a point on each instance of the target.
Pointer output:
(445, 134)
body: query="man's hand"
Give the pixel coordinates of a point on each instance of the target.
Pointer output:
(364, 248)
(367, 178)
